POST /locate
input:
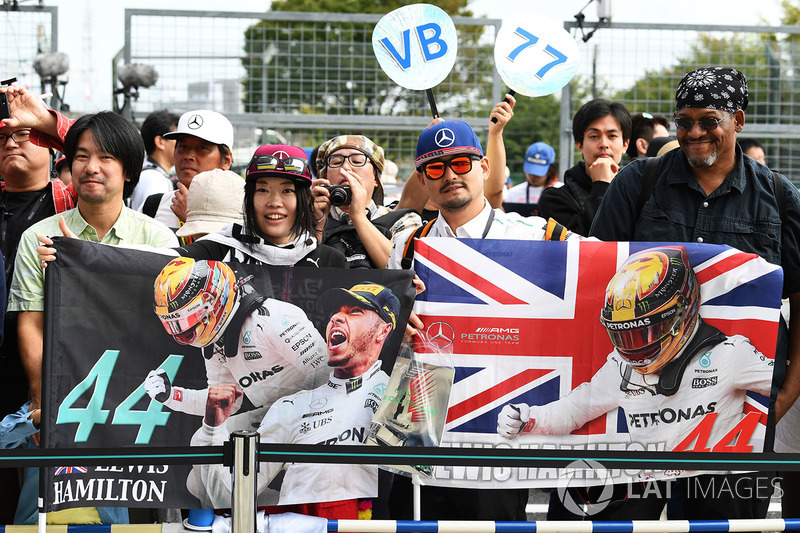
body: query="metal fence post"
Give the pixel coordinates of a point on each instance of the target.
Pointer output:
(244, 473)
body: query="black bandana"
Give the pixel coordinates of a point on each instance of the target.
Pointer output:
(723, 89)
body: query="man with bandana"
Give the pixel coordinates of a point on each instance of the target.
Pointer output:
(709, 192)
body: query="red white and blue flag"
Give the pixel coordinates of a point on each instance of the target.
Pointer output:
(522, 321)
(70, 470)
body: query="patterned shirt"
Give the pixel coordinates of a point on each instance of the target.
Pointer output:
(27, 287)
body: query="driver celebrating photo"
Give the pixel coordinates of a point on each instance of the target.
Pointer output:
(674, 375)
(338, 412)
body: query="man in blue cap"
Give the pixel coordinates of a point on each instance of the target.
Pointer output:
(452, 169)
(540, 173)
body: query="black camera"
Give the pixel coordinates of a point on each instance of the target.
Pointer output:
(340, 194)
(5, 110)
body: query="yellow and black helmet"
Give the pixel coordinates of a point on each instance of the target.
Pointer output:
(651, 307)
(195, 299)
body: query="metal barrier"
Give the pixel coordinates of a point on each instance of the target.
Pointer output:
(243, 450)
(244, 471)
(309, 76)
(639, 526)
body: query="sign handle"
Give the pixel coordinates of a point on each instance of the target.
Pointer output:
(432, 102)
(511, 92)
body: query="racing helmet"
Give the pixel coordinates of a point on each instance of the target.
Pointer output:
(195, 299)
(651, 307)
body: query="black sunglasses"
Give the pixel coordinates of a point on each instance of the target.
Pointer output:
(707, 123)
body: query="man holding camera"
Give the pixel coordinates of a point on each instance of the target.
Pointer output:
(358, 224)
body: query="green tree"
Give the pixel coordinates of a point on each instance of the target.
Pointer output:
(323, 67)
(753, 54)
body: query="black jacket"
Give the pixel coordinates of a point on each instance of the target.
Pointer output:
(575, 204)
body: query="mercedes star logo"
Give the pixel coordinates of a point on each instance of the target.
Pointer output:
(445, 137)
(196, 121)
(281, 155)
(440, 334)
(319, 403)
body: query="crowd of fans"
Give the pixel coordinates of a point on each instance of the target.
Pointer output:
(170, 186)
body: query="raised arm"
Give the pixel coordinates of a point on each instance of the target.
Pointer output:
(29, 111)
(496, 151)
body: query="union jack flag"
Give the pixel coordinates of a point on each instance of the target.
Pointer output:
(70, 470)
(522, 319)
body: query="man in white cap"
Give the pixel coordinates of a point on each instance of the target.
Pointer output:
(204, 141)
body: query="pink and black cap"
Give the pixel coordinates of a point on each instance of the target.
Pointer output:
(280, 161)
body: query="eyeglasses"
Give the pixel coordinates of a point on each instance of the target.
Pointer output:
(356, 160)
(459, 165)
(19, 137)
(707, 124)
(266, 162)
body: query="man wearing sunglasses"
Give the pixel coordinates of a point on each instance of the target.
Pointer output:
(27, 196)
(452, 169)
(709, 192)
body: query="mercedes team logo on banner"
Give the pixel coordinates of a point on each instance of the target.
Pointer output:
(441, 334)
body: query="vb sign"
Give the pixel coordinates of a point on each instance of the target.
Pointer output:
(534, 55)
(416, 46)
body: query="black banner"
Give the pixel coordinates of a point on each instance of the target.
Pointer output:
(103, 338)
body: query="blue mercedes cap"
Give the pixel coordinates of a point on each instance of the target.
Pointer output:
(450, 137)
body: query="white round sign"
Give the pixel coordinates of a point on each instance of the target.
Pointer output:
(416, 45)
(534, 55)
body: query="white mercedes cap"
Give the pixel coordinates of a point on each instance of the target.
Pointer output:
(204, 124)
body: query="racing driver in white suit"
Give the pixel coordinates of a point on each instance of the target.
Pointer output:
(338, 412)
(272, 348)
(679, 380)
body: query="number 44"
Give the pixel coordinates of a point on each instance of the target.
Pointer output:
(125, 414)
(737, 439)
